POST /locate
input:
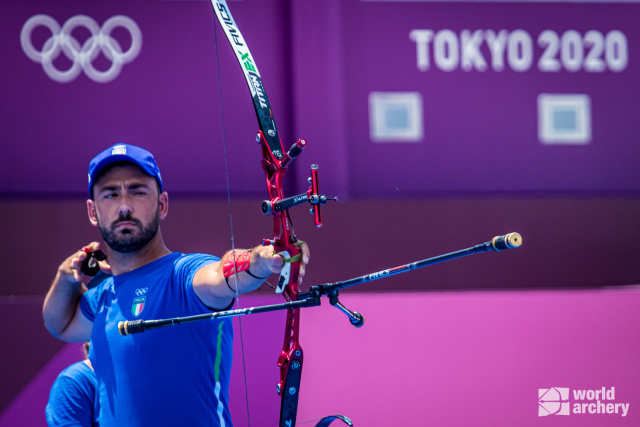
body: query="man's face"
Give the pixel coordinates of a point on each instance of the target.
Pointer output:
(127, 208)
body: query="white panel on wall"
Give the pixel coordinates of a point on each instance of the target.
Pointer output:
(395, 116)
(564, 119)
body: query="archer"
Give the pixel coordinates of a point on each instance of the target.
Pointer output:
(177, 378)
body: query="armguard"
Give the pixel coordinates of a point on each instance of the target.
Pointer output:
(235, 263)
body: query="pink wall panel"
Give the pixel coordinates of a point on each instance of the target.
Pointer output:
(433, 358)
(466, 358)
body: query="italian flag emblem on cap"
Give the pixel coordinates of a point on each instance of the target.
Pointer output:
(138, 305)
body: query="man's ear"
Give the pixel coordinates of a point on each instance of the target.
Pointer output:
(163, 203)
(91, 211)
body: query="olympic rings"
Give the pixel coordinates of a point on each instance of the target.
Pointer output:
(81, 56)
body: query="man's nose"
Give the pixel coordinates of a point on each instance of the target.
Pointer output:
(125, 209)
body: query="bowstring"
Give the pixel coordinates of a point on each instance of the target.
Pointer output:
(233, 248)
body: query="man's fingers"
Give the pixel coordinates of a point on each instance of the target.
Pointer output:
(104, 267)
(81, 256)
(277, 261)
(78, 259)
(94, 246)
(304, 249)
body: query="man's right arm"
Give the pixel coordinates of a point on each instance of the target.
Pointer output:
(61, 311)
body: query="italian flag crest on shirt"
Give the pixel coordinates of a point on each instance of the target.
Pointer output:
(138, 305)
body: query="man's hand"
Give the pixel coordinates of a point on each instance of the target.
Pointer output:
(61, 311)
(265, 261)
(69, 270)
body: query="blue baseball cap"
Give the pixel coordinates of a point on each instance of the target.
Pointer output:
(124, 153)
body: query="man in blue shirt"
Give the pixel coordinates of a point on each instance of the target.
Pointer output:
(73, 400)
(177, 376)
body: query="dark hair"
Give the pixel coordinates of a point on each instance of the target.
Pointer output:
(107, 168)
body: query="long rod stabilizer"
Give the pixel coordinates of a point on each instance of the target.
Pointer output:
(312, 297)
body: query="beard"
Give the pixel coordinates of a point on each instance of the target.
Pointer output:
(128, 240)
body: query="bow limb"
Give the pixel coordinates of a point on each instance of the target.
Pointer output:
(275, 161)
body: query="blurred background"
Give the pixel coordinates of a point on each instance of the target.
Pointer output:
(437, 124)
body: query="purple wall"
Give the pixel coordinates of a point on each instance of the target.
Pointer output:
(480, 126)
(320, 62)
(166, 99)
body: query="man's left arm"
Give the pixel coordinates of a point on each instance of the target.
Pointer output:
(218, 284)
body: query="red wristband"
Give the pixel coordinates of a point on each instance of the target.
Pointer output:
(236, 263)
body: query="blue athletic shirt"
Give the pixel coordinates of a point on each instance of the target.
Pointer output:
(173, 376)
(73, 400)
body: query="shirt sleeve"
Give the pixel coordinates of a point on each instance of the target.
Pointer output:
(89, 303)
(187, 267)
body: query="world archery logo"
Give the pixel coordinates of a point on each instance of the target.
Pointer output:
(138, 305)
(553, 401)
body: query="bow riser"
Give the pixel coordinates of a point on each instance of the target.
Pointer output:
(291, 358)
(284, 238)
(290, 363)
